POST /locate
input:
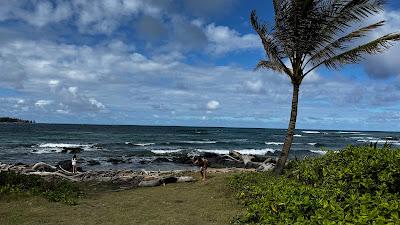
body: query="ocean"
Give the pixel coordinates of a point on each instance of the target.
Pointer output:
(31, 143)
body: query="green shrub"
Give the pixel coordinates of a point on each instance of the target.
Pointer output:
(54, 190)
(358, 185)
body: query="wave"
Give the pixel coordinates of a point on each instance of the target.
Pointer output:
(165, 151)
(197, 142)
(311, 132)
(241, 151)
(274, 143)
(379, 141)
(318, 152)
(144, 144)
(59, 147)
(348, 132)
(297, 135)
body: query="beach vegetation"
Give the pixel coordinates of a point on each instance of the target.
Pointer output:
(56, 190)
(358, 185)
(308, 34)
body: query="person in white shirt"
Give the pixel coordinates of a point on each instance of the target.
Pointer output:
(74, 164)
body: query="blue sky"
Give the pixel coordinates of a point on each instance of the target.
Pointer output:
(176, 62)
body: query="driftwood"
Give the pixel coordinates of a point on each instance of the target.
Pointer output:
(248, 163)
(125, 178)
(44, 166)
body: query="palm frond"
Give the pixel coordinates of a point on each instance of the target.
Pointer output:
(340, 44)
(341, 14)
(269, 46)
(275, 66)
(356, 54)
(271, 49)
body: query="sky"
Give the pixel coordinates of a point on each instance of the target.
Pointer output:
(177, 62)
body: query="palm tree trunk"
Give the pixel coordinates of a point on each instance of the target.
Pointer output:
(290, 132)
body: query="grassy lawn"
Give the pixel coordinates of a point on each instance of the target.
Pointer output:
(209, 202)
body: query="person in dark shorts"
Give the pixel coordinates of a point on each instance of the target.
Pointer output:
(203, 163)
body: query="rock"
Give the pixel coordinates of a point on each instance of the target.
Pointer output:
(265, 167)
(115, 160)
(93, 162)
(183, 159)
(67, 165)
(71, 150)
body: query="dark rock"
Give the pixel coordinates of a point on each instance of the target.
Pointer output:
(169, 180)
(71, 150)
(144, 162)
(67, 165)
(93, 162)
(183, 159)
(115, 160)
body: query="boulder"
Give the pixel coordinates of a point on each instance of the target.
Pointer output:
(93, 162)
(67, 165)
(115, 160)
(72, 150)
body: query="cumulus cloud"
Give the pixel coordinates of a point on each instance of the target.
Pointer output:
(43, 103)
(213, 105)
(39, 14)
(254, 86)
(89, 16)
(223, 39)
(385, 65)
(12, 72)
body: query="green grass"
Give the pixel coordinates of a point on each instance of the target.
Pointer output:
(358, 185)
(53, 189)
(209, 202)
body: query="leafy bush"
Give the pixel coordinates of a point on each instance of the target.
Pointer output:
(55, 190)
(358, 185)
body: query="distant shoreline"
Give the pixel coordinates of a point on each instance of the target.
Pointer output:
(14, 120)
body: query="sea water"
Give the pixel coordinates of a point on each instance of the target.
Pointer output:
(31, 143)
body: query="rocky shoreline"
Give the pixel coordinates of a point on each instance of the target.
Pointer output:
(142, 178)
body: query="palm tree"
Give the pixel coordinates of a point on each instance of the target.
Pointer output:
(311, 33)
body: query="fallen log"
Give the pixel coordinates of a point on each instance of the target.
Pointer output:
(165, 180)
(44, 167)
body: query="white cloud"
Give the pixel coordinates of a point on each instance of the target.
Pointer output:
(43, 103)
(213, 105)
(42, 12)
(224, 39)
(102, 16)
(254, 86)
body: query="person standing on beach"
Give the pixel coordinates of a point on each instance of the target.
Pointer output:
(74, 162)
(203, 163)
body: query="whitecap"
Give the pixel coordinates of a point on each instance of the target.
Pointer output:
(297, 135)
(311, 132)
(58, 147)
(312, 144)
(143, 144)
(318, 152)
(241, 151)
(165, 151)
(348, 132)
(274, 143)
(198, 142)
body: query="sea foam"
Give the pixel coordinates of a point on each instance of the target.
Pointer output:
(311, 132)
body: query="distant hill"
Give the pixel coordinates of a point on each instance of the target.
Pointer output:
(14, 120)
